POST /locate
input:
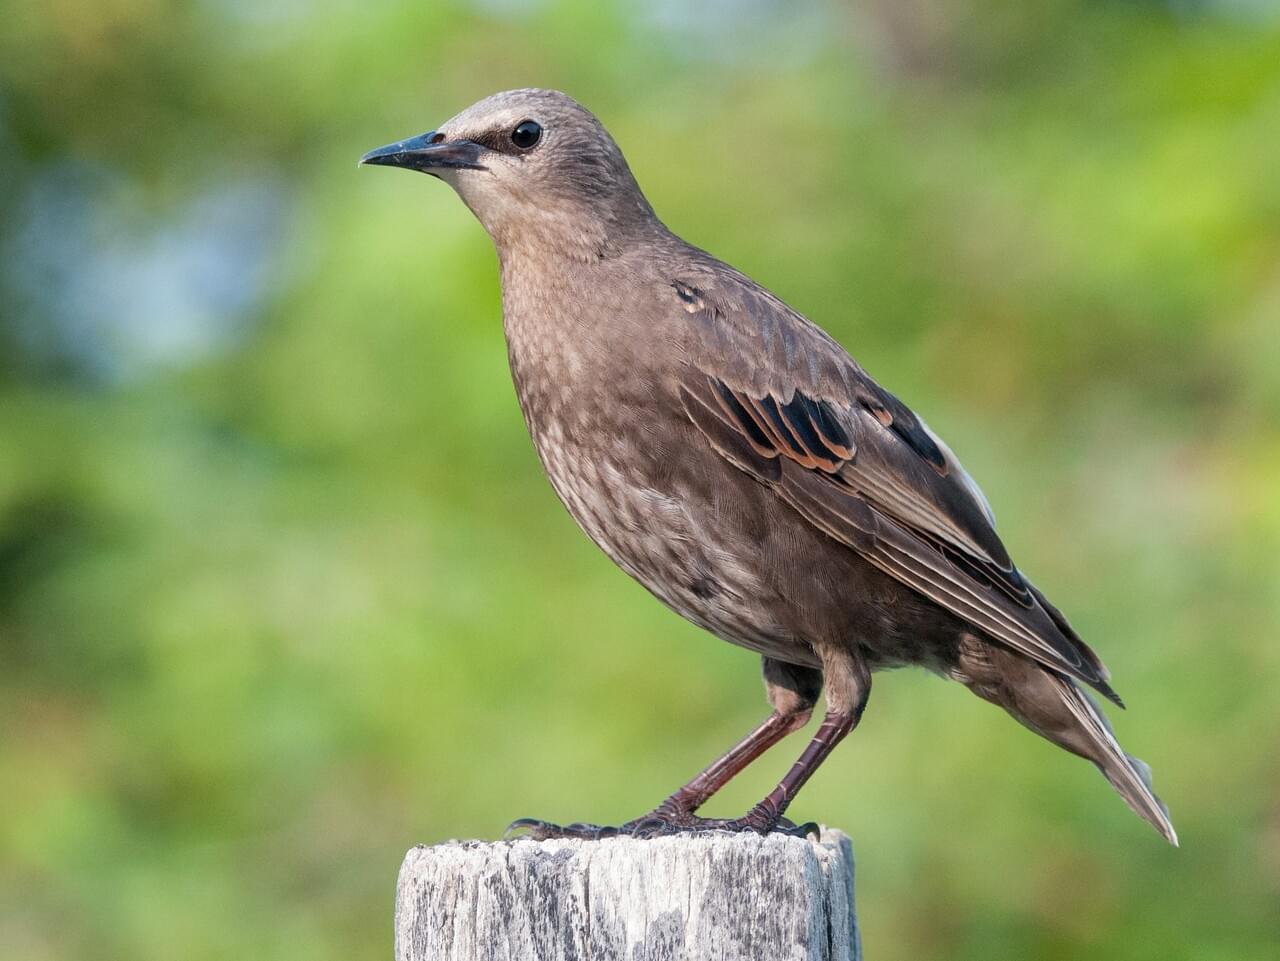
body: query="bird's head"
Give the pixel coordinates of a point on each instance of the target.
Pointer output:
(535, 167)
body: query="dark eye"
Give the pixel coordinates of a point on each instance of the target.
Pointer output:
(526, 134)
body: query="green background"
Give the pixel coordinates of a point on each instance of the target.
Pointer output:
(283, 590)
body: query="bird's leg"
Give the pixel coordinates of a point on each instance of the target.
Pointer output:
(717, 774)
(675, 814)
(848, 687)
(767, 815)
(792, 690)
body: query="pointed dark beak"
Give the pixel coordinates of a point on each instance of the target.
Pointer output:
(428, 152)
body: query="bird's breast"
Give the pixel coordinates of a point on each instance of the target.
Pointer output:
(612, 442)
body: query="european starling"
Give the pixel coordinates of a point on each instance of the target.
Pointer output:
(729, 455)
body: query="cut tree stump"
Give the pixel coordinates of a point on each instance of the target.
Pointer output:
(705, 897)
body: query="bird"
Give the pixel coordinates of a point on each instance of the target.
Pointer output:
(731, 456)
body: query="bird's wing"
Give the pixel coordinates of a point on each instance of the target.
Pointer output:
(781, 400)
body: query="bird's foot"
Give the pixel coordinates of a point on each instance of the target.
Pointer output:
(664, 822)
(537, 830)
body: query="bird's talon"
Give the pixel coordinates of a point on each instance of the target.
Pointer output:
(536, 829)
(660, 824)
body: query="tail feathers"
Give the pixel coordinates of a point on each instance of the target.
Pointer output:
(1091, 658)
(1061, 711)
(1130, 776)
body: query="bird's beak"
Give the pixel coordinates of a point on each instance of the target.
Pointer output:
(427, 152)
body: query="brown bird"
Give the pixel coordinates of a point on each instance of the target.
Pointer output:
(729, 455)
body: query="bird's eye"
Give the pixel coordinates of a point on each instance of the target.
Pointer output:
(526, 134)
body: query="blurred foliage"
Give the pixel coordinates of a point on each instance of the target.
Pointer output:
(283, 590)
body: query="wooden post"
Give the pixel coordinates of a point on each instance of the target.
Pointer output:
(707, 897)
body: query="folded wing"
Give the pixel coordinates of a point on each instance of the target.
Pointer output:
(781, 400)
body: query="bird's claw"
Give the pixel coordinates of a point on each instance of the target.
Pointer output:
(661, 823)
(756, 824)
(538, 830)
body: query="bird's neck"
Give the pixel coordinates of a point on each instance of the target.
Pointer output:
(569, 315)
(554, 293)
(557, 242)
(542, 243)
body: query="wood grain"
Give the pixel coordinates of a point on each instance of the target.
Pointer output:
(696, 897)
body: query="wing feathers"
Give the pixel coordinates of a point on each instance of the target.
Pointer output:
(727, 437)
(895, 415)
(777, 397)
(738, 415)
(867, 500)
(899, 553)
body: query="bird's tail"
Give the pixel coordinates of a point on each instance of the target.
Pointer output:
(1130, 776)
(1059, 710)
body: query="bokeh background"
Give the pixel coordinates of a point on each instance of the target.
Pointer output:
(283, 590)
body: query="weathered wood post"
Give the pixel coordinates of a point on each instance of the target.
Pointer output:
(710, 897)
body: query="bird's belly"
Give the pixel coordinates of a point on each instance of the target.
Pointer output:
(664, 539)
